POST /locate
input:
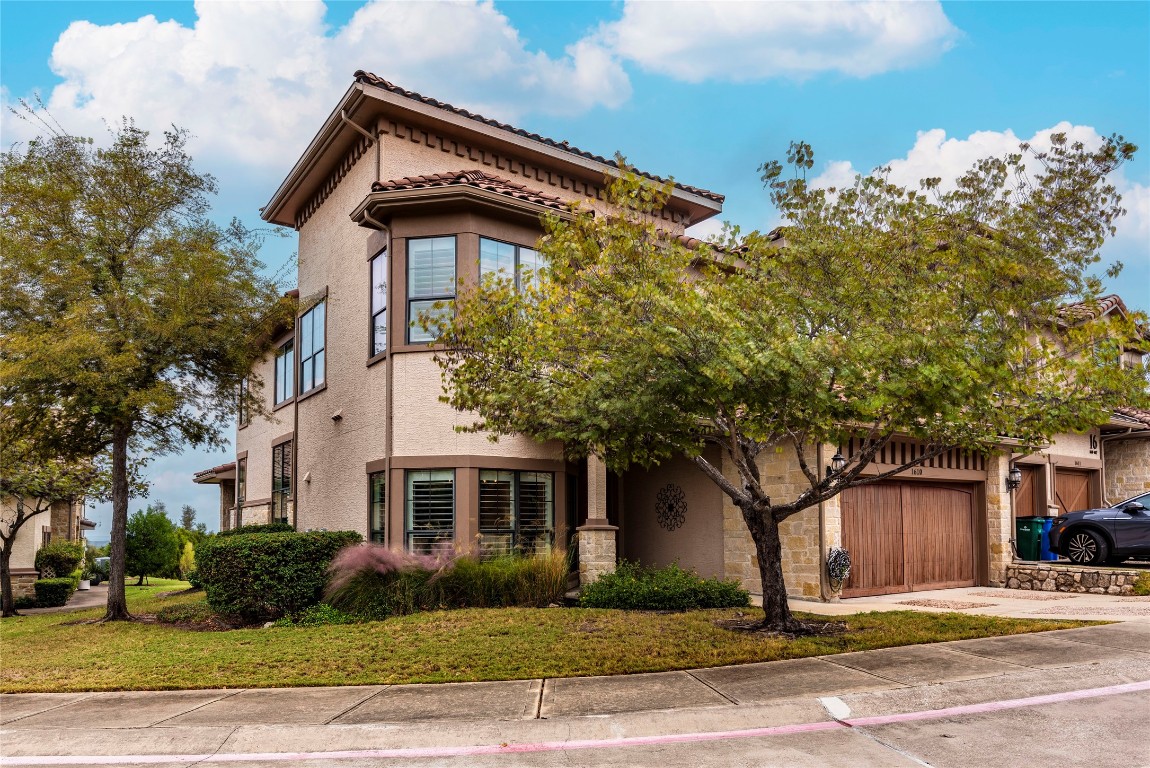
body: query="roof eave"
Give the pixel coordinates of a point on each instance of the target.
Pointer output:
(385, 203)
(335, 135)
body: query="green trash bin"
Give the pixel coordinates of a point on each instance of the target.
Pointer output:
(1028, 537)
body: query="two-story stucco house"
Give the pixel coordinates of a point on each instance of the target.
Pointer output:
(396, 199)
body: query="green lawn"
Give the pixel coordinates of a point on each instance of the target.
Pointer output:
(54, 653)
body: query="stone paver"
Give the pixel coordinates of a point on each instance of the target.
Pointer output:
(129, 709)
(575, 696)
(917, 664)
(509, 700)
(292, 706)
(776, 680)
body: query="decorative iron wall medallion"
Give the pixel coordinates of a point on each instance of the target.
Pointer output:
(671, 507)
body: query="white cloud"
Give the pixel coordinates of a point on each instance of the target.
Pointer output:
(251, 80)
(934, 154)
(741, 41)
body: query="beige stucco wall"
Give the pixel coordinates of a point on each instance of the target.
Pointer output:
(28, 539)
(698, 543)
(256, 438)
(1127, 468)
(1082, 446)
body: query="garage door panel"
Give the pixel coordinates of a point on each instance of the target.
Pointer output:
(1072, 490)
(905, 536)
(872, 523)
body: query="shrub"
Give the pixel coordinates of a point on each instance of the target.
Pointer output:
(59, 558)
(264, 528)
(316, 616)
(152, 547)
(267, 575)
(185, 613)
(1142, 584)
(633, 587)
(54, 592)
(102, 569)
(373, 582)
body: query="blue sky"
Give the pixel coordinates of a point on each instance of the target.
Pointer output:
(704, 92)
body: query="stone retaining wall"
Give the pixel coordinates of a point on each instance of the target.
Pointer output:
(1050, 577)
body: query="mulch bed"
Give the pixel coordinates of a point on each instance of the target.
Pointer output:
(804, 629)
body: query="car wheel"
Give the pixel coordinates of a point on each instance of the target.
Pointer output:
(1086, 548)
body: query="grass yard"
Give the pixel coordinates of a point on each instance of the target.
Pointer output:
(52, 652)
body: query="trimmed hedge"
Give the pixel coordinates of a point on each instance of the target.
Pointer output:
(260, 528)
(51, 593)
(267, 575)
(59, 558)
(633, 587)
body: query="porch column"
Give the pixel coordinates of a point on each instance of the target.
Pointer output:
(596, 536)
(999, 518)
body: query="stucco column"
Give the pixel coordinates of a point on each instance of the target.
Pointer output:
(999, 520)
(596, 537)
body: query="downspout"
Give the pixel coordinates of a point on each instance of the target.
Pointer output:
(371, 139)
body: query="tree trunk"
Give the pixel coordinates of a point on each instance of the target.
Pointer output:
(117, 597)
(8, 603)
(769, 549)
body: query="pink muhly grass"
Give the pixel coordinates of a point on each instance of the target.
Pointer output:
(377, 558)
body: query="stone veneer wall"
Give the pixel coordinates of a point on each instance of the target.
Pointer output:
(1049, 577)
(1127, 468)
(22, 585)
(596, 552)
(999, 520)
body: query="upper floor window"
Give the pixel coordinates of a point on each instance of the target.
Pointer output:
(430, 279)
(516, 511)
(241, 480)
(514, 260)
(285, 372)
(281, 482)
(379, 304)
(244, 416)
(312, 339)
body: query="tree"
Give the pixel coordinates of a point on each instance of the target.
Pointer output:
(875, 312)
(152, 547)
(187, 517)
(126, 312)
(30, 484)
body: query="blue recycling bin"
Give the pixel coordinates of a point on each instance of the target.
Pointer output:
(1044, 552)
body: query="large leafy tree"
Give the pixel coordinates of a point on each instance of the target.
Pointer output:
(152, 547)
(129, 318)
(874, 312)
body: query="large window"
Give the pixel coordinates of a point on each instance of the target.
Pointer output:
(516, 511)
(513, 260)
(311, 347)
(285, 372)
(379, 304)
(430, 280)
(241, 480)
(430, 509)
(281, 482)
(377, 506)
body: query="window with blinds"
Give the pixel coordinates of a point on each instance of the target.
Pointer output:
(517, 261)
(516, 512)
(430, 509)
(430, 280)
(379, 304)
(377, 506)
(281, 482)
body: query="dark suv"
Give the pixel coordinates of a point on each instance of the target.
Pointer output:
(1097, 536)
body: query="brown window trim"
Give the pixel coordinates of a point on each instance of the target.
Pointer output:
(376, 358)
(299, 357)
(378, 465)
(254, 503)
(405, 341)
(477, 462)
(284, 404)
(313, 390)
(283, 439)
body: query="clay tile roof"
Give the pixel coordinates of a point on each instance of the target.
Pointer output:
(377, 81)
(214, 470)
(477, 179)
(1135, 414)
(1082, 310)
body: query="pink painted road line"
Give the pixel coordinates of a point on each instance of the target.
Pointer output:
(561, 746)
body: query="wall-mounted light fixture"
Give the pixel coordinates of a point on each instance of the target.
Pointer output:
(838, 463)
(1013, 478)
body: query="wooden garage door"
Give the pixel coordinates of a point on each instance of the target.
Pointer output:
(1072, 489)
(908, 536)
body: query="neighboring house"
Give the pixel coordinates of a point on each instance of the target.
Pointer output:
(397, 198)
(65, 521)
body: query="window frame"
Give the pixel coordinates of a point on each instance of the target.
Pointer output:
(408, 530)
(243, 418)
(518, 266)
(282, 454)
(377, 504)
(377, 347)
(316, 351)
(241, 480)
(282, 351)
(411, 298)
(514, 530)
